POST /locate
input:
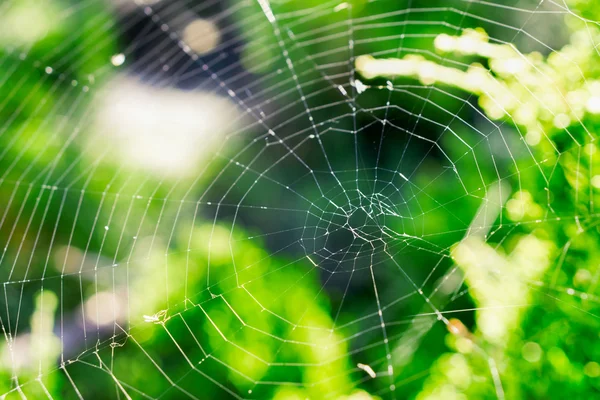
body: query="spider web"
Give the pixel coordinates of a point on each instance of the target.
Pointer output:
(321, 244)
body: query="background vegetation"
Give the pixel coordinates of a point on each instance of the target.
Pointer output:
(123, 281)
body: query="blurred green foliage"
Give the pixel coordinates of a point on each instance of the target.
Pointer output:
(549, 350)
(211, 312)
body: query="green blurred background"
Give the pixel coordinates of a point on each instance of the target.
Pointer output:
(299, 199)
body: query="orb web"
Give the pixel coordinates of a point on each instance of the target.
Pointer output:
(267, 199)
